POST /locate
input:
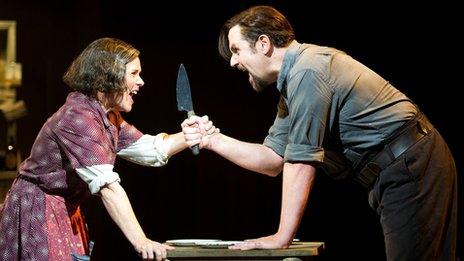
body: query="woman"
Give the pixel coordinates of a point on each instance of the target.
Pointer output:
(73, 157)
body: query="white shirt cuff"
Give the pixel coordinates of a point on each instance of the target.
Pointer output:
(97, 176)
(147, 151)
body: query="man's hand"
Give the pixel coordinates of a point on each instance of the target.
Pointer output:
(269, 242)
(198, 130)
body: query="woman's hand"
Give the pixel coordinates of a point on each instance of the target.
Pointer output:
(198, 130)
(269, 242)
(152, 250)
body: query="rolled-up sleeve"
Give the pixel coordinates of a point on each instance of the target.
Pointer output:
(147, 151)
(299, 135)
(277, 137)
(98, 176)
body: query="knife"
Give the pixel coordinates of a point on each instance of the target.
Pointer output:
(184, 98)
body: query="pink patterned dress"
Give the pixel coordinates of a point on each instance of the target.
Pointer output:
(40, 218)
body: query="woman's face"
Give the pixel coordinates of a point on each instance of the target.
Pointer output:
(133, 82)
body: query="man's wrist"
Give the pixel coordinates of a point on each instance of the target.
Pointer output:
(214, 139)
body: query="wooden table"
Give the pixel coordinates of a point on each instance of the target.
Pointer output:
(297, 252)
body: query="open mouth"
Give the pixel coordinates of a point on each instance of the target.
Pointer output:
(132, 93)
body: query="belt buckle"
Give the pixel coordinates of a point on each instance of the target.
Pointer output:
(368, 174)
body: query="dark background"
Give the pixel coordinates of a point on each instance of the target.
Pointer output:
(414, 47)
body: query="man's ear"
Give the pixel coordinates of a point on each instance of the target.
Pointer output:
(264, 44)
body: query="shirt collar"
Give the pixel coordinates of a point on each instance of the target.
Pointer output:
(289, 60)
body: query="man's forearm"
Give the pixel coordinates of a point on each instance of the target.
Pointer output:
(252, 156)
(297, 183)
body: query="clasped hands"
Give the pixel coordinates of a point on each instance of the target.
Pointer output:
(198, 130)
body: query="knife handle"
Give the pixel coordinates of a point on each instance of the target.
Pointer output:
(195, 148)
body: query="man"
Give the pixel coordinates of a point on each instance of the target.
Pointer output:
(339, 116)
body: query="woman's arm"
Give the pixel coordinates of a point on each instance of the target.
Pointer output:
(120, 210)
(155, 151)
(174, 143)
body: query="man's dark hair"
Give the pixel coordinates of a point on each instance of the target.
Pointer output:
(256, 21)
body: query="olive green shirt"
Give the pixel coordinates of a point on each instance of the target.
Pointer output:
(331, 102)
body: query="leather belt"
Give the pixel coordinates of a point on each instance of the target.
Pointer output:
(368, 168)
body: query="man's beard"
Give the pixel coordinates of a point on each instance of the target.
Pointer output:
(257, 83)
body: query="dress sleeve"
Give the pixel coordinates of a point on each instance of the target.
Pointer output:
(147, 151)
(83, 139)
(128, 134)
(87, 147)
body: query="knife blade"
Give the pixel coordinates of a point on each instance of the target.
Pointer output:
(184, 98)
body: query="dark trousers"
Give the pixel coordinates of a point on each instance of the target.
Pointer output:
(416, 198)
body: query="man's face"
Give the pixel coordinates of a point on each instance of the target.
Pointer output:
(246, 58)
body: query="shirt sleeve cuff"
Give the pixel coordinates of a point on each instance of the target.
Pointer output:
(299, 152)
(98, 176)
(274, 145)
(147, 151)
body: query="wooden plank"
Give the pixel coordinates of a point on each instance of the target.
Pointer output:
(296, 250)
